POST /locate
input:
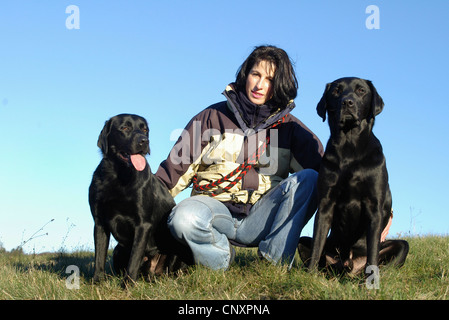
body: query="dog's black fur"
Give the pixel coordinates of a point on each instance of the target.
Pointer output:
(132, 204)
(354, 195)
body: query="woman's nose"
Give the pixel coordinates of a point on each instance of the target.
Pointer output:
(260, 83)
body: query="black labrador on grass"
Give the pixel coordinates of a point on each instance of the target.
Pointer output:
(354, 196)
(127, 200)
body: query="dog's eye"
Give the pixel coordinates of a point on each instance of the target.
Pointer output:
(336, 91)
(125, 128)
(361, 90)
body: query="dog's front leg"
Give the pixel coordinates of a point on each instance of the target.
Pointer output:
(322, 225)
(373, 241)
(137, 252)
(101, 239)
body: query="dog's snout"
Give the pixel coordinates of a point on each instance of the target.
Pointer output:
(143, 141)
(348, 102)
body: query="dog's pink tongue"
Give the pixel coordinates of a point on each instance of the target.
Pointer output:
(138, 162)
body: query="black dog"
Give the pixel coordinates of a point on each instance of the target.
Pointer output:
(354, 196)
(127, 200)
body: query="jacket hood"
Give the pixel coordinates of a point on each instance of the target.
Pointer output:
(251, 116)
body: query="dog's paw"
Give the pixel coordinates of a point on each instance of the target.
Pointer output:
(127, 282)
(97, 278)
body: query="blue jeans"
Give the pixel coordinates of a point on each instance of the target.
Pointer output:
(274, 223)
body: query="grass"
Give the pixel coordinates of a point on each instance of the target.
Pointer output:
(43, 277)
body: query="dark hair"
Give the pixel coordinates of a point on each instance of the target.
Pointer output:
(285, 84)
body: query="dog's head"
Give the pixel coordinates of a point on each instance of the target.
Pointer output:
(125, 138)
(349, 101)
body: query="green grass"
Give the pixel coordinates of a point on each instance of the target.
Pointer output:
(424, 276)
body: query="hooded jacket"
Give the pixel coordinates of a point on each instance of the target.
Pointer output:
(220, 138)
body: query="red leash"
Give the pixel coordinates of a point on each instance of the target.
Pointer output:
(243, 169)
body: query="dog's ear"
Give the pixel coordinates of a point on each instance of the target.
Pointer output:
(321, 108)
(377, 104)
(148, 132)
(103, 138)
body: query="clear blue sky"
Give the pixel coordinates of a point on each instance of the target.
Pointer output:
(167, 60)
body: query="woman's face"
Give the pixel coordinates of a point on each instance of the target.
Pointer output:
(258, 83)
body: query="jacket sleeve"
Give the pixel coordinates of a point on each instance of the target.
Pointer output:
(306, 148)
(181, 165)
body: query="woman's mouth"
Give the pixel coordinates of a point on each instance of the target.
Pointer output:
(257, 95)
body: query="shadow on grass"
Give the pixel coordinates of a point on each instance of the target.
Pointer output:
(59, 263)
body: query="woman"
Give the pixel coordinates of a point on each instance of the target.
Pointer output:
(238, 154)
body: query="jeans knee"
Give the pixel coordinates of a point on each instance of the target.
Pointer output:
(308, 175)
(308, 178)
(188, 216)
(304, 180)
